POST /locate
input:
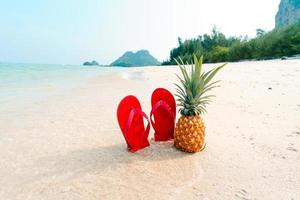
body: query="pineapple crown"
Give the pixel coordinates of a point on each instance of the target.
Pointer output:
(191, 94)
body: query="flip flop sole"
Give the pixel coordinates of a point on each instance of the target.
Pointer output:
(164, 121)
(134, 134)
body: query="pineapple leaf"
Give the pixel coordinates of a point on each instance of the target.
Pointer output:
(213, 73)
(195, 83)
(182, 81)
(198, 64)
(181, 93)
(183, 71)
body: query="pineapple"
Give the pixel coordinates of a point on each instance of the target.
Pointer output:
(192, 99)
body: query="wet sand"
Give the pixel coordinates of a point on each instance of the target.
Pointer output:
(69, 146)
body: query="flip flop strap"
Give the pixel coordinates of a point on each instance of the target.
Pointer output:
(133, 112)
(163, 105)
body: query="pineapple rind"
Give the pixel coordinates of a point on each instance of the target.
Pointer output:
(189, 134)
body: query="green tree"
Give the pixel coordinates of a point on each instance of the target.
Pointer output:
(216, 47)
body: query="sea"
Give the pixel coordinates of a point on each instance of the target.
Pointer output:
(26, 83)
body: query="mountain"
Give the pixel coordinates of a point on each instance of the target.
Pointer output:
(140, 58)
(288, 13)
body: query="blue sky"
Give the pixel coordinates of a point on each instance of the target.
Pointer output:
(73, 31)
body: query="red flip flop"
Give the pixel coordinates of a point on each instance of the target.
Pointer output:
(130, 118)
(164, 113)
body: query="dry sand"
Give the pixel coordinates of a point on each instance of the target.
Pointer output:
(70, 146)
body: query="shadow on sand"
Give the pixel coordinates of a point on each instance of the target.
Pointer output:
(94, 160)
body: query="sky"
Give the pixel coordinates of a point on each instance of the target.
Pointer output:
(74, 31)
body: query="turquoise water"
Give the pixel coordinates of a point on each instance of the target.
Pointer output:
(28, 82)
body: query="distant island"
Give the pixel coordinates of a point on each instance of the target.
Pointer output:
(92, 63)
(140, 58)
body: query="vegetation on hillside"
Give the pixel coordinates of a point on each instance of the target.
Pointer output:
(216, 47)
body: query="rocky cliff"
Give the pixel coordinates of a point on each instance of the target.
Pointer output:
(288, 13)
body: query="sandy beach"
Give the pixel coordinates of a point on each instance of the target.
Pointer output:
(69, 146)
